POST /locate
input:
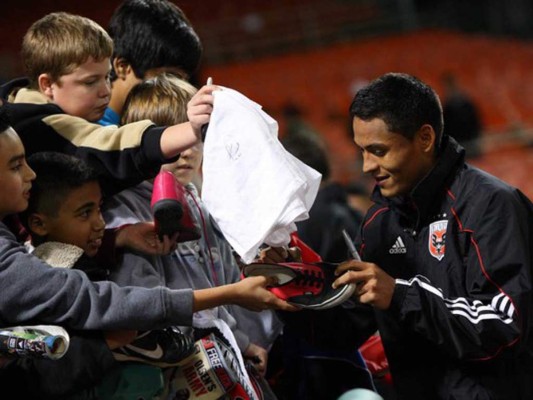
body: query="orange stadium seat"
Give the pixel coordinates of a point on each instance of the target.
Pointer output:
(495, 72)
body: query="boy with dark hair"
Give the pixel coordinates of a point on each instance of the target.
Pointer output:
(66, 227)
(67, 59)
(149, 37)
(64, 205)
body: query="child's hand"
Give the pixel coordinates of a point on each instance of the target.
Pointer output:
(258, 356)
(142, 237)
(280, 254)
(116, 339)
(252, 293)
(200, 107)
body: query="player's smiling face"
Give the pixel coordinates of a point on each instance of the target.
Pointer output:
(395, 162)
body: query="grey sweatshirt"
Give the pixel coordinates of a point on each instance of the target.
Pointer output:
(32, 292)
(198, 264)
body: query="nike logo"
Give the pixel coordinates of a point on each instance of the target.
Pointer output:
(155, 354)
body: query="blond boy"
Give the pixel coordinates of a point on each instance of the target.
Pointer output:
(67, 60)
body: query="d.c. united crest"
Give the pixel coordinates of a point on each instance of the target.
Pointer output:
(437, 239)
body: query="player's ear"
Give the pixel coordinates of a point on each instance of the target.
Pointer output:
(426, 138)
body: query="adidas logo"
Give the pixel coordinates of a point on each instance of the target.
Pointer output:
(398, 247)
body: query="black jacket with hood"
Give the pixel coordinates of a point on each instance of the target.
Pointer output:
(460, 248)
(459, 324)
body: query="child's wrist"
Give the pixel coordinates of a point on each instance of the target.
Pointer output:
(232, 293)
(120, 240)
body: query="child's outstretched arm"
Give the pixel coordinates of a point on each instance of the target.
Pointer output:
(250, 293)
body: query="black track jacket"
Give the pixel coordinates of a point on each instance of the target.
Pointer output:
(460, 248)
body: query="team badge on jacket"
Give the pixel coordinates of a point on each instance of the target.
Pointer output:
(437, 239)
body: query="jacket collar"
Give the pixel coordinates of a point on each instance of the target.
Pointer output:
(9, 89)
(26, 95)
(18, 91)
(431, 188)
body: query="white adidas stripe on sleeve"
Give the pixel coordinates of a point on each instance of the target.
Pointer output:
(474, 311)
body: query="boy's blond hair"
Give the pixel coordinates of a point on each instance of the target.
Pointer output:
(162, 99)
(59, 42)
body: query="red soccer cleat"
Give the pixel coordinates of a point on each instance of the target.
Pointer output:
(306, 285)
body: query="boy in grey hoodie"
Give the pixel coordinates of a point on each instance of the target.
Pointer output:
(203, 263)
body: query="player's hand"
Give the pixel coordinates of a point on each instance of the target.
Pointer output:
(374, 286)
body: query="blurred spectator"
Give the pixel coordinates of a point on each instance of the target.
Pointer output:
(358, 197)
(330, 213)
(315, 372)
(308, 371)
(461, 116)
(296, 124)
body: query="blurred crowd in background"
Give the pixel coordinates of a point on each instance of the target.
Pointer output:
(303, 61)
